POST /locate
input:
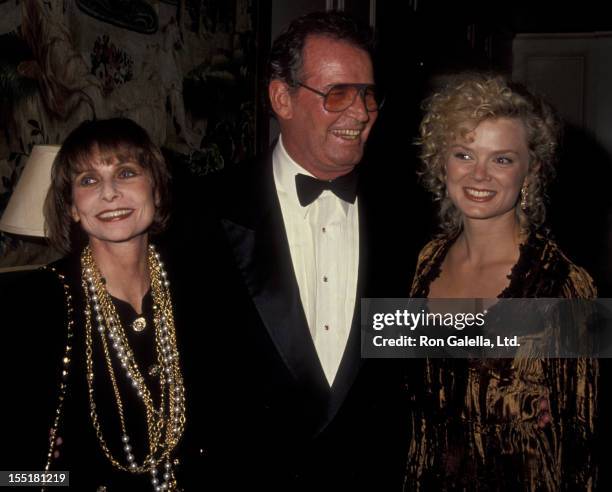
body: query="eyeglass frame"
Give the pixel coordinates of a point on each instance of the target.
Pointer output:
(361, 88)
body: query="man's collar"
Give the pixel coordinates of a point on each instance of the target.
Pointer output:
(285, 170)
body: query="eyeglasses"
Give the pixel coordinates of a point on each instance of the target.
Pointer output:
(341, 96)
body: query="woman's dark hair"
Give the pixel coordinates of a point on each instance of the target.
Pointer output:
(101, 141)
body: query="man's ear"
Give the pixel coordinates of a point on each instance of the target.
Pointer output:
(280, 99)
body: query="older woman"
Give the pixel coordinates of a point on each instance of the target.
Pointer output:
(488, 148)
(120, 411)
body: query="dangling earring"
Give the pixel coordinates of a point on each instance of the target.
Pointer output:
(524, 197)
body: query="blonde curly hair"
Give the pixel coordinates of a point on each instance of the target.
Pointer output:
(466, 100)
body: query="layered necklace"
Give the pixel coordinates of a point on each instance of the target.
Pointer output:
(166, 421)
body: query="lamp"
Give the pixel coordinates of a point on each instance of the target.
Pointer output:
(24, 213)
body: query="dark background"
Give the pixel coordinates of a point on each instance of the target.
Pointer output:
(418, 45)
(419, 41)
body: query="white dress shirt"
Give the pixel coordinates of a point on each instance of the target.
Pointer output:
(324, 244)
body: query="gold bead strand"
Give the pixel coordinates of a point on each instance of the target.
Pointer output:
(172, 420)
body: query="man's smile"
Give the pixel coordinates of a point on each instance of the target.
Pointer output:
(347, 133)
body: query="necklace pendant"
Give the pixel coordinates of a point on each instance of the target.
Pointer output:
(139, 324)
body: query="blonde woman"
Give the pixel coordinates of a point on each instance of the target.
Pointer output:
(488, 148)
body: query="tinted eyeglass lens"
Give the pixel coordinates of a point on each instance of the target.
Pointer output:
(371, 99)
(341, 97)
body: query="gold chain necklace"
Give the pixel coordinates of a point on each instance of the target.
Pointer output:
(165, 424)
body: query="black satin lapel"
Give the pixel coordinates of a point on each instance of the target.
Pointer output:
(263, 257)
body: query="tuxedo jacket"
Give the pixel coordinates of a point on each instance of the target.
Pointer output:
(262, 411)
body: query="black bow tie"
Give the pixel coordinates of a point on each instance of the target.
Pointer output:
(309, 188)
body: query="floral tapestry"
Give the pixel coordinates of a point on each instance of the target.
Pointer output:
(183, 69)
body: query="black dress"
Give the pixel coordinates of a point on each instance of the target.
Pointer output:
(45, 376)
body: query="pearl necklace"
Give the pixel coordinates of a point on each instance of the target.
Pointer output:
(165, 424)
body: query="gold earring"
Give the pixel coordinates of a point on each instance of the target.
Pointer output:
(524, 194)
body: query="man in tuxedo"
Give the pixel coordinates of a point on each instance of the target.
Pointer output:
(291, 242)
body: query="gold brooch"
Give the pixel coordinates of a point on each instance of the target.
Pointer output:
(139, 324)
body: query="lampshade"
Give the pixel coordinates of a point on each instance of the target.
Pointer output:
(24, 212)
